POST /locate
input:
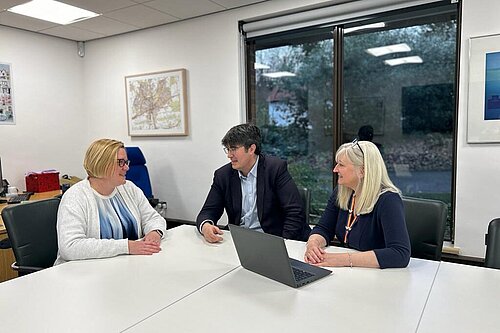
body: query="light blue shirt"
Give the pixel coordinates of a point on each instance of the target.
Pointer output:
(249, 218)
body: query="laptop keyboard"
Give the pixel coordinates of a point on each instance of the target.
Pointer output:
(19, 197)
(300, 274)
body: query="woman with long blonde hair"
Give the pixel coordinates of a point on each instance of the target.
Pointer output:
(365, 213)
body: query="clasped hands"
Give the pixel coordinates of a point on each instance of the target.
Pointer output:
(147, 246)
(316, 255)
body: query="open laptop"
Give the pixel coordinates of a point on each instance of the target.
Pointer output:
(266, 255)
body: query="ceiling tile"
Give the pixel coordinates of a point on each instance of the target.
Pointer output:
(141, 16)
(236, 3)
(105, 26)
(24, 22)
(185, 8)
(75, 34)
(100, 6)
(5, 4)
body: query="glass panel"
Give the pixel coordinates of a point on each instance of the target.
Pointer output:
(399, 92)
(293, 106)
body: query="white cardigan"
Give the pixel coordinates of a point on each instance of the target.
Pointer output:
(78, 227)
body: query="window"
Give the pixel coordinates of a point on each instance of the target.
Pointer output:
(396, 78)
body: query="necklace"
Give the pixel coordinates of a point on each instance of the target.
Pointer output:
(351, 219)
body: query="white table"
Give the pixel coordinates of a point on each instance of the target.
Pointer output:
(109, 295)
(193, 286)
(463, 299)
(349, 300)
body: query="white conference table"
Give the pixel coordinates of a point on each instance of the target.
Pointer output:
(109, 295)
(349, 300)
(463, 299)
(193, 286)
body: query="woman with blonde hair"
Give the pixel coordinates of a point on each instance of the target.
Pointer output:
(365, 213)
(105, 215)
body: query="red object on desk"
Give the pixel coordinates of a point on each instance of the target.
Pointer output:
(43, 181)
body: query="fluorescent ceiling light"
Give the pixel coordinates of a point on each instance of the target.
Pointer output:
(365, 27)
(278, 74)
(402, 61)
(383, 50)
(260, 66)
(52, 11)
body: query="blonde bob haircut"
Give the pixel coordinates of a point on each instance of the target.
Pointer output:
(372, 174)
(101, 156)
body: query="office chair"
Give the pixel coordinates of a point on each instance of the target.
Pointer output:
(138, 173)
(305, 195)
(425, 221)
(492, 259)
(32, 232)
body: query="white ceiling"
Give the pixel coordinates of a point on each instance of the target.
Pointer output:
(118, 16)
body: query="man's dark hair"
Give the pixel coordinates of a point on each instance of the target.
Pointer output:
(365, 133)
(243, 135)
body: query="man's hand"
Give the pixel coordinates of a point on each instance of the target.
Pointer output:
(211, 233)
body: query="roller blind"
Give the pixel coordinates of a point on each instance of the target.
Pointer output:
(338, 14)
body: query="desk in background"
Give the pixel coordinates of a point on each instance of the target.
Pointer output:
(7, 256)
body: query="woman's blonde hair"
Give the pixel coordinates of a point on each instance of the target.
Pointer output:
(367, 161)
(101, 156)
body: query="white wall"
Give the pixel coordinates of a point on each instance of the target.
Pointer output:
(478, 175)
(69, 102)
(50, 131)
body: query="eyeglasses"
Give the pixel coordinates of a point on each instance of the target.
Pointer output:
(355, 142)
(231, 150)
(122, 162)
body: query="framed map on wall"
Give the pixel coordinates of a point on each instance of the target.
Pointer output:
(157, 103)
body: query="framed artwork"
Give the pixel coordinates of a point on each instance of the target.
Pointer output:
(483, 111)
(157, 103)
(6, 100)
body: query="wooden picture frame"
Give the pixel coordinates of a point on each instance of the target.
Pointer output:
(157, 103)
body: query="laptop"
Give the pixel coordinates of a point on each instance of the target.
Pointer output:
(266, 255)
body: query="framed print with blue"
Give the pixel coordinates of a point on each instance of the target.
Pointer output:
(483, 111)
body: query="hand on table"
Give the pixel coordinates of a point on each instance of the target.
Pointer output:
(211, 233)
(145, 247)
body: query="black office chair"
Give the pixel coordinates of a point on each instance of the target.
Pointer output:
(425, 221)
(32, 232)
(492, 259)
(305, 195)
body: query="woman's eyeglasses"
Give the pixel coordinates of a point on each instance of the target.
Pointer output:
(122, 162)
(356, 143)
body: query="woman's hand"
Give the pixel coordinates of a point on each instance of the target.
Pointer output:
(314, 250)
(145, 247)
(153, 236)
(334, 260)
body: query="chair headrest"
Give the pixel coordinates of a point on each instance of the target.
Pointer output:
(135, 156)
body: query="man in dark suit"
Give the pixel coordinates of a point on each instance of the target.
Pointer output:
(256, 191)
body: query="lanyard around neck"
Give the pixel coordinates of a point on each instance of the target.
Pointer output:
(351, 219)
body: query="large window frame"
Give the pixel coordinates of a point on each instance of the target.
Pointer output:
(337, 31)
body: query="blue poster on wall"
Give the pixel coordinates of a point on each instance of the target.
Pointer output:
(492, 87)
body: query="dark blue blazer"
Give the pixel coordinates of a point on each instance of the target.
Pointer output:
(279, 206)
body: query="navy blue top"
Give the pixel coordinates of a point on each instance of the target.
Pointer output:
(383, 230)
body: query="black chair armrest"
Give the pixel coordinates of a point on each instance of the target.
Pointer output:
(25, 269)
